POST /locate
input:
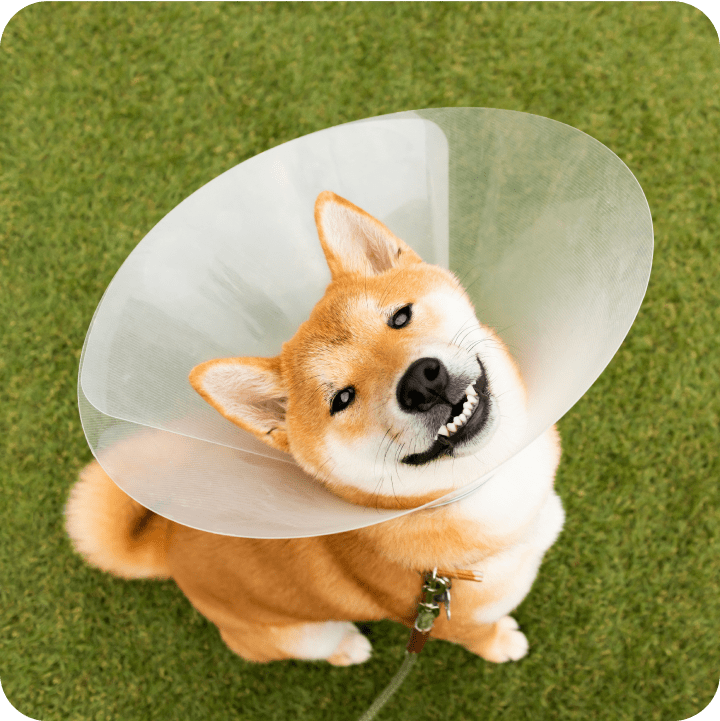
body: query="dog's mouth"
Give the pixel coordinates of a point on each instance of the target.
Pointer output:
(466, 419)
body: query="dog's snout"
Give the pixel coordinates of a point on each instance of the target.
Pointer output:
(422, 386)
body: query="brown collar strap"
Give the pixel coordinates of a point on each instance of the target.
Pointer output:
(461, 575)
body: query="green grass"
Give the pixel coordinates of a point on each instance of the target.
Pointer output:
(111, 114)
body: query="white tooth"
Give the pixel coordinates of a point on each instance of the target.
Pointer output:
(471, 392)
(451, 427)
(443, 431)
(468, 408)
(459, 420)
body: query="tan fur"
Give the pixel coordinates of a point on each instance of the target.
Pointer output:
(260, 592)
(276, 599)
(114, 532)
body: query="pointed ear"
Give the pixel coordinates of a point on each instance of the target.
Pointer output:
(355, 242)
(249, 392)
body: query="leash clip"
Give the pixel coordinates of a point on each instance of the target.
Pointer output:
(435, 592)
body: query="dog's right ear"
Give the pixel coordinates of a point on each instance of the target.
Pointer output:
(354, 241)
(249, 392)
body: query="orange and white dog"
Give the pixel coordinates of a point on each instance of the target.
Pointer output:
(392, 394)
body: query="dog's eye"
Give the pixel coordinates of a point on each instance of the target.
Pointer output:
(342, 400)
(401, 317)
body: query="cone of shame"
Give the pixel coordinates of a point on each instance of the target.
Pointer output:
(547, 229)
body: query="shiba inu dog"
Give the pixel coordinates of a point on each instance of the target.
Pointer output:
(391, 394)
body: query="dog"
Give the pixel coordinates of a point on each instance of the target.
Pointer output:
(391, 394)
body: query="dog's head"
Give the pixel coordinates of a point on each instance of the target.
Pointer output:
(391, 393)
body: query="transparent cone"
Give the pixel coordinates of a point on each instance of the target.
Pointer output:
(548, 230)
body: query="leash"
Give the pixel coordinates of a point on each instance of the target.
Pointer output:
(394, 685)
(435, 592)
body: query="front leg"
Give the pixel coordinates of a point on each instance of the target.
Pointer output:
(498, 642)
(479, 619)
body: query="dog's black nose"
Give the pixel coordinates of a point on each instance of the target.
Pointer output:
(422, 385)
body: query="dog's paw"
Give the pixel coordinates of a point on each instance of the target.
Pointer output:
(509, 643)
(354, 648)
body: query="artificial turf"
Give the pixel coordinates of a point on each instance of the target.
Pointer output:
(112, 113)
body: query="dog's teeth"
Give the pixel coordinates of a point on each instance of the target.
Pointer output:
(460, 420)
(468, 407)
(443, 431)
(451, 427)
(470, 392)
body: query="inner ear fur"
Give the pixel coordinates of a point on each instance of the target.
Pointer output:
(355, 242)
(249, 392)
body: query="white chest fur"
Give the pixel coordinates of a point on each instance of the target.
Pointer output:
(521, 517)
(510, 505)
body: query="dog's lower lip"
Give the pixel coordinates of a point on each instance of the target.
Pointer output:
(444, 445)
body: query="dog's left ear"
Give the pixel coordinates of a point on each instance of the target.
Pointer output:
(354, 241)
(249, 392)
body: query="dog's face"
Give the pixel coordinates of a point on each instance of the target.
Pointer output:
(391, 393)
